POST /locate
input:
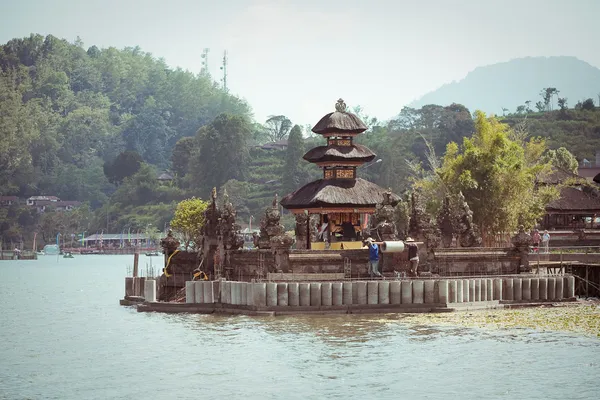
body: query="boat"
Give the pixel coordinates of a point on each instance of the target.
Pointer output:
(68, 255)
(153, 254)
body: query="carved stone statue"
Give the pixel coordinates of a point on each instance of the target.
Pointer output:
(229, 231)
(522, 242)
(301, 230)
(169, 243)
(445, 222)
(314, 228)
(383, 225)
(272, 233)
(467, 232)
(340, 106)
(420, 226)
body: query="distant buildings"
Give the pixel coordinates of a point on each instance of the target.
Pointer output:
(41, 203)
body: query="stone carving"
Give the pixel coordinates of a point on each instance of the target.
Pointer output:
(272, 233)
(522, 242)
(229, 231)
(340, 106)
(468, 234)
(169, 243)
(301, 230)
(314, 227)
(211, 217)
(445, 222)
(383, 224)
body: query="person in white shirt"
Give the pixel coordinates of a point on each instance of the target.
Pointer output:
(546, 242)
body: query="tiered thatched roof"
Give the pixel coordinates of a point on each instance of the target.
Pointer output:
(355, 152)
(337, 193)
(340, 122)
(574, 199)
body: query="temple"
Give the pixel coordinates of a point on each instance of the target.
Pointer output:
(341, 202)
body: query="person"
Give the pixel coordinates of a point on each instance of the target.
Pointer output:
(17, 253)
(546, 242)
(413, 255)
(373, 257)
(536, 238)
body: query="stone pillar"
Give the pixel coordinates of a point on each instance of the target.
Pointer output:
(304, 289)
(198, 293)
(361, 292)
(150, 291)
(490, 289)
(235, 291)
(452, 290)
(484, 289)
(429, 291)
(477, 289)
(498, 289)
(190, 296)
(315, 294)
(543, 288)
(395, 297)
(271, 293)
(558, 291)
(326, 294)
(418, 292)
(293, 294)
(466, 293)
(225, 292)
(372, 292)
(472, 290)
(207, 292)
(526, 289)
(282, 294)
(249, 294)
(551, 289)
(517, 289)
(244, 293)
(459, 291)
(406, 292)
(535, 288)
(384, 292)
(570, 287)
(337, 294)
(508, 289)
(347, 293)
(442, 286)
(259, 291)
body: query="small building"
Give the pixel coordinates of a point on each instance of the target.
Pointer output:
(278, 145)
(165, 177)
(7, 201)
(34, 200)
(590, 170)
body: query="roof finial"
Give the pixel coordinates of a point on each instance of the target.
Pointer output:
(340, 106)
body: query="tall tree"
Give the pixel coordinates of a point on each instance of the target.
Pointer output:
(278, 127)
(292, 172)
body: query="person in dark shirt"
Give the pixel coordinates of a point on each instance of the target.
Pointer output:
(413, 255)
(373, 257)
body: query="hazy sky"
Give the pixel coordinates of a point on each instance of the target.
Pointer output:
(297, 57)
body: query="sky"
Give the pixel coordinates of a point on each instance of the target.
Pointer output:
(297, 57)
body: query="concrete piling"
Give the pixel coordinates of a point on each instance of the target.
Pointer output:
(459, 291)
(293, 294)
(498, 289)
(395, 297)
(466, 293)
(315, 294)
(244, 293)
(484, 289)
(235, 290)
(326, 294)
(477, 289)
(508, 289)
(190, 296)
(304, 294)
(198, 293)
(406, 292)
(361, 292)
(418, 292)
(517, 289)
(535, 288)
(490, 289)
(259, 294)
(471, 290)
(150, 291)
(551, 289)
(543, 289)
(271, 292)
(559, 290)
(347, 293)
(526, 289)
(442, 287)
(354, 293)
(249, 295)
(452, 290)
(372, 292)
(570, 287)
(207, 292)
(384, 292)
(429, 291)
(337, 294)
(282, 294)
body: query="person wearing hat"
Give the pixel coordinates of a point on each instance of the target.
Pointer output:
(413, 255)
(373, 257)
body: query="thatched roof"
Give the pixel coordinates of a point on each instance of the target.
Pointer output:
(340, 122)
(575, 199)
(338, 193)
(557, 175)
(356, 152)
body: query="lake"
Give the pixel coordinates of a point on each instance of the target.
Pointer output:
(63, 335)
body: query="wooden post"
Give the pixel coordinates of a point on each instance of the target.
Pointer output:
(136, 257)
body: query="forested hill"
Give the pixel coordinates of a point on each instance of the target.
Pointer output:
(509, 84)
(65, 110)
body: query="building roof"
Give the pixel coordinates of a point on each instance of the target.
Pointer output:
(337, 193)
(356, 152)
(575, 199)
(556, 176)
(165, 177)
(41, 198)
(339, 122)
(9, 198)
(278, 145)
(117, 236)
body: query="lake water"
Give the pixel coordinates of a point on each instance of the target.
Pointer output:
(64, 336)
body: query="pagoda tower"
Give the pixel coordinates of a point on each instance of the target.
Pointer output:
(340, 197)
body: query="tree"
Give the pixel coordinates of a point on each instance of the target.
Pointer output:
(562, 103)
(561, 158)
(540, 106)
(182, 153)
(124, 165)
(189, 220)
(588, 104)
(292, 172)
(278, 127)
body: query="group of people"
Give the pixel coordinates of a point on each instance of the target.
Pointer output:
(374, 255)
(538, 239)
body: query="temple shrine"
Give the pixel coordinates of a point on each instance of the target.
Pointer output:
(340, 202)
